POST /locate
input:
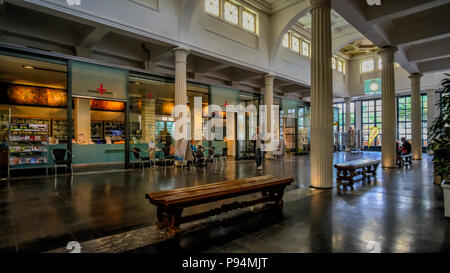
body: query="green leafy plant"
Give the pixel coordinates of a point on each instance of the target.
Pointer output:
(439, 134)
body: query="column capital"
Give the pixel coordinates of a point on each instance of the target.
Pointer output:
(181, 54)
(320, 4)
(269, 78)
(415, 76)
(387, 53)
(347, 99)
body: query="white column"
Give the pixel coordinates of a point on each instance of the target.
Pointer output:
(348, 120)
(180, 75)
(348, 114)
(416, 116)
(358, 121)
(268, 99)
(431, 111)
(321, 96)
(389, 114)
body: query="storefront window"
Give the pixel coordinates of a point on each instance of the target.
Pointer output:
(33, 108)
(99, 103)
(151, 124)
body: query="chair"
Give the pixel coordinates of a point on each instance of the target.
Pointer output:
(211, 154)
(168, 157)
(139, 158)
(224, 155)
(59, 159)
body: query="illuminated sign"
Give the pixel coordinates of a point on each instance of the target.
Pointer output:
(372, 86)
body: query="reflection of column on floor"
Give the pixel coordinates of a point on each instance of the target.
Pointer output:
(82, 115)
(148, 120)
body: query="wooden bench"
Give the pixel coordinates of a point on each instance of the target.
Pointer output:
(172, 202)
(403, 160)
(348, 171)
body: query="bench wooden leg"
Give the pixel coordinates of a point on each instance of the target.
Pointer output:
(174, 221)
(169, 219)
(279, 196)
(160, 216)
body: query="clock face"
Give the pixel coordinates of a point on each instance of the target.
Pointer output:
(374, 86)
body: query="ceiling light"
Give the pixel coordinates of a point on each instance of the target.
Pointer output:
(28, 67)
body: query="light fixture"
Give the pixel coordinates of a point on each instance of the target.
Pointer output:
(28, 67)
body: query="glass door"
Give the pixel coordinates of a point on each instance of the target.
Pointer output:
(5, 115)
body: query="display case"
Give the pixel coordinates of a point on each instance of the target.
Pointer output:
(96, 130)
(59, 129)
(115, 130)
(28, 143)
(4, 141)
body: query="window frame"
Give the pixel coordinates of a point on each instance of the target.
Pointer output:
(367, 60)
(377, 108)
(240, 15)
(212, 14)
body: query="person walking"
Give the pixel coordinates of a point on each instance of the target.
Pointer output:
(258, 152)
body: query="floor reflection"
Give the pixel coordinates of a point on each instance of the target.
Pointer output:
(401, 210)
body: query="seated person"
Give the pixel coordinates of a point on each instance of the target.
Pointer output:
(193, 147)
(406, 146)
(398, 148)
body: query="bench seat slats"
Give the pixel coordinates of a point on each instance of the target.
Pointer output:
(162, 194)
(171, 203)
(357, 163)
(218, 192)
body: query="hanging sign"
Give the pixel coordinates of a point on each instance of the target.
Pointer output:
(373, 134)
(97, 81)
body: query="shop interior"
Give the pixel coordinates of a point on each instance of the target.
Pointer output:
(34, 118)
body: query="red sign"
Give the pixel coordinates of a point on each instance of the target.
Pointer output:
(101, 90)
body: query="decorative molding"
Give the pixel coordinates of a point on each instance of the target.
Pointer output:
(151, 4)
(231, 32)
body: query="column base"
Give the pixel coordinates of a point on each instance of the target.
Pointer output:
(318, 188)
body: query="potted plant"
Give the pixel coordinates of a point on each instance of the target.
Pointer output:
(439, 139)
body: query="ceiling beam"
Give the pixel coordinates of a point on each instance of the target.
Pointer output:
(207, 66)
(93, 37)
(429, 51)
(431, 28)
(435, 66)
(390, 10)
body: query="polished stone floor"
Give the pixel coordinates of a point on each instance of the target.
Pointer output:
(402, 211)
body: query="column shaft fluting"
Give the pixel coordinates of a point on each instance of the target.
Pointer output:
(268, 99)
(416, 117)
(389, 114)
(321, 96)
(180, 75)
(348, 121)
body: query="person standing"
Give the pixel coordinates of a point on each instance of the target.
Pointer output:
(258, 152)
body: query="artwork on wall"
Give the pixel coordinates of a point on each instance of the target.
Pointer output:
(33, 95)
(372, 86)
(105, 105)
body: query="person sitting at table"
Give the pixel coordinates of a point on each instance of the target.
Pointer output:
(193, 147)
(406, 146)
